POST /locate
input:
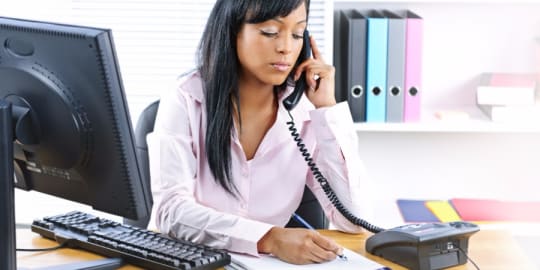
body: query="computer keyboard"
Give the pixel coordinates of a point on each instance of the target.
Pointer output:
(135, 246)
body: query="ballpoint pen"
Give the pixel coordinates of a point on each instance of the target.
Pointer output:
(307, 225)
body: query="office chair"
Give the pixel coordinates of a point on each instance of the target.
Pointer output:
(309, 208)
(145, 125)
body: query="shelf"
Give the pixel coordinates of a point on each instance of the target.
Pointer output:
(448, 126)
(476, 122)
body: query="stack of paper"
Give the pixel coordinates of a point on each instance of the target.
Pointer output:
(354, 261)
(508, 97)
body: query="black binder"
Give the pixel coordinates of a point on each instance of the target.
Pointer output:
(352, 48)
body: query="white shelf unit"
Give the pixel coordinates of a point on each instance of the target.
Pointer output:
(475, 158)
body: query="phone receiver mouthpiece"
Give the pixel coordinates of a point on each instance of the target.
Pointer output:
(292, 100)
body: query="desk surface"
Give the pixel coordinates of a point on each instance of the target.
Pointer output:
(490, 249)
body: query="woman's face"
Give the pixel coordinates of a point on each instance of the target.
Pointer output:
(267, 51)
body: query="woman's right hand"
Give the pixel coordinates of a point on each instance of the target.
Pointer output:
(298, 246)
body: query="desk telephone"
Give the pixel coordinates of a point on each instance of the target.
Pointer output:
(415, 246)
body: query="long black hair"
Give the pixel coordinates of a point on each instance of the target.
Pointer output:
(219, 67)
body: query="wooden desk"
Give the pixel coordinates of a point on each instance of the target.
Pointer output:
(28, 239)
(490, 249)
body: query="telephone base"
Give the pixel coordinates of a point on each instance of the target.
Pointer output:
(424, 246)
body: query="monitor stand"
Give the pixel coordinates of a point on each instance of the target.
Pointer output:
(8, 256)
(7, 207)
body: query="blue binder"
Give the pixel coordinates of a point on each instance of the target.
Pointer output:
(377, 43)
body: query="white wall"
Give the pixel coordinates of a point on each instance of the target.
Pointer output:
(440, 165)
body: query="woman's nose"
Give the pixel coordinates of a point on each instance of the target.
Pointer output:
(284, 45)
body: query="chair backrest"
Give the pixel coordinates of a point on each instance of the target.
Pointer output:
(309, 208)
(311, 211)
(145, 125)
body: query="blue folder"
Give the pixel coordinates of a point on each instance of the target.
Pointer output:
(415, 211)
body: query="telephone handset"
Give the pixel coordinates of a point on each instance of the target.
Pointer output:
(292, 100)
(289, 103)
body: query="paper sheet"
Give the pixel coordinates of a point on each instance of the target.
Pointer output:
(354, 261)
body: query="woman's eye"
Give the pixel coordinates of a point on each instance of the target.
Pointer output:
(269, 34)
(296, 36)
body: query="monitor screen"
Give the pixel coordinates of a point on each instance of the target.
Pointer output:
(72, 132)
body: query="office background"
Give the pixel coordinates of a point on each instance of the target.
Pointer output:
(156, 42)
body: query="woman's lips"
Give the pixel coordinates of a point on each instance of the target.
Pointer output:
(281, 66)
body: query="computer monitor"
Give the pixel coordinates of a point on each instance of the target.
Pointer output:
(65, 127)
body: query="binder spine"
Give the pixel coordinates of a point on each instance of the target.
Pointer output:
(356, 65)
(396, 67)
(413, 68)
(376, 67)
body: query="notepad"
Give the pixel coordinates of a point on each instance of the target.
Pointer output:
(354, 261)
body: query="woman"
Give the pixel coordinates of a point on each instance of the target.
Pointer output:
(225, 170)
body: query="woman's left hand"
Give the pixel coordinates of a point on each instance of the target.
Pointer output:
(320, 78)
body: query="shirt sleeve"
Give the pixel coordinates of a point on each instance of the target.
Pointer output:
(173, 169)
(337, 156)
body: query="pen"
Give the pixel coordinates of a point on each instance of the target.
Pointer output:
(307, 225)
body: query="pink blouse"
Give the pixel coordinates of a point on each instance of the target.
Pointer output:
(188, 204)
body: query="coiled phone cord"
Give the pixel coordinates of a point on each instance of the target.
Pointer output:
(324, 183)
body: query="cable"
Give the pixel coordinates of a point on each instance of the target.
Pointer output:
(324, 183)
(42, 249)
(468, 258)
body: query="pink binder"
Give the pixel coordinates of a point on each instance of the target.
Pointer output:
(413, 67)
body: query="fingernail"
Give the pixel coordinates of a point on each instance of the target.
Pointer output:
(341, 255)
